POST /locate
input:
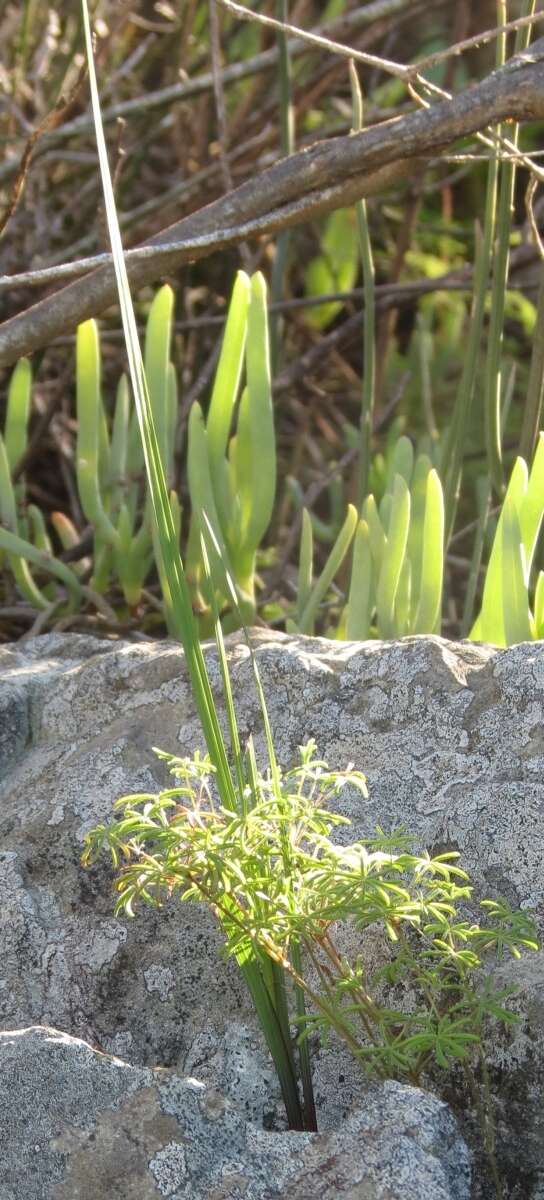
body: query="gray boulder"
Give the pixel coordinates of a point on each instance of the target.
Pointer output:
(75, 1123)
(451, 739)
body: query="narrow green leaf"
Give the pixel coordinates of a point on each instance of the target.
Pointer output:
(490, 623)
(277, 1035)
(414, 549)
(201, 488)
(360, 588)
(515, 600)
(18, 412)
(401, 463)
(19, 549)
(256, 445)
(156, 363)
(531, 510)
(397, 537)
(119, 437)
(228, 374)
(427, 618)
(539, 606)
(403, 599)
(89, 417)
(376, 531)
(305, 564)
(332, 566)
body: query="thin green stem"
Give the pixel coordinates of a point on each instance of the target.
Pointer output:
(369, 323)
(501, 256)
(287, 144)
(532, 410)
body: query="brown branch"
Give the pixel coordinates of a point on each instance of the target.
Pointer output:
(51, 121)
(328, 175)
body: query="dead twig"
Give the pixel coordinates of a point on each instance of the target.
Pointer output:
(50, 122)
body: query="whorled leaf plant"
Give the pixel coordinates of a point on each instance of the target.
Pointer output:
(235, 785)
(277, 882)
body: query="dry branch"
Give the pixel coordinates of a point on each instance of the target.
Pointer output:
(328, 175)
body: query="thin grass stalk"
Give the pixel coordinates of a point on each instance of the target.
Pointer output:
(452, 457)
(369, 326)
(310, 1117)
(484, 496)
(167, 540)
(277, 1034)
(454, 443)
(483, 487)
(501, 256)
(287, 145)
(535, 389)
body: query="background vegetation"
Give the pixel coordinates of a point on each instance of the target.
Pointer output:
(196, 101)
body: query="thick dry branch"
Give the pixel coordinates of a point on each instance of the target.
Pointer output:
(328, 175)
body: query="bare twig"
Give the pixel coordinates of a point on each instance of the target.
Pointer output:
(51, 121)
(316, 39)
(479, 39)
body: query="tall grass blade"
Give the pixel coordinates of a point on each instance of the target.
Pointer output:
(276, 1032)
(393, 558)
(360, 588)
(369, 326)
(432, 562)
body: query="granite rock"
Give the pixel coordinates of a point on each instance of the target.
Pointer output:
(451, 739)
(75, 1123)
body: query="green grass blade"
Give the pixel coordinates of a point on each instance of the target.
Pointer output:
(401, 462)
(395, 549)
(18, 412)
(20, 552)
(225, 675)
(432, 562)
(369, 315)
(305, 564)
(403, 599)
(119, 435)
(256, 445)
(202, 492)
(156, 363)
(516, 617)
(490, 624)
(167, 543)
(360, 588)
(532, 505)
(278, 1037)
(89, 417)
(332, 566)
(40, 536)
(375, 530)
(483, 499)
(539, 606)
(229, 372)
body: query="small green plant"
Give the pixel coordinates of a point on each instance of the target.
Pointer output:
(397, 569)
(506, 617)
(23, 535)
(275, 880)
(235, 775)
(398, 559)
(233, 479)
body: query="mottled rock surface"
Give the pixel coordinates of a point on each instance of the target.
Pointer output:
(451, 739)
(75, 1123)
